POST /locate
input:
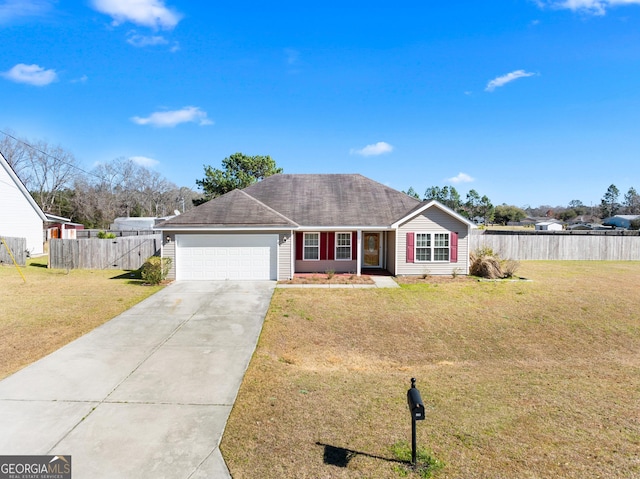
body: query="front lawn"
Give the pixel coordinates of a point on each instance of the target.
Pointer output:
(54, 307)
(521, 379)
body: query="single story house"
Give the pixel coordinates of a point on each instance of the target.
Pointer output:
(620, 221)
(548, 226)
(59, 227)
(20, 215)
(138, 223)
(305, 223)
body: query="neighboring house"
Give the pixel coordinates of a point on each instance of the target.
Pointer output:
(620, 221)
(287, 224)
(548, 226)
(61, 228)
(20, 215)
(138, 223)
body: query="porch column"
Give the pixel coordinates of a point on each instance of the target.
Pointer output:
(359, 254)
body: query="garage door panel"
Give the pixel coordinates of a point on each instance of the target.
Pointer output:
(221, 257)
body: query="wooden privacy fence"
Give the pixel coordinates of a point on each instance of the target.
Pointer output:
(560, 245)
(18, 247)
(128, 253)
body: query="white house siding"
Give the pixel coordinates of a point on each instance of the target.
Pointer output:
(18, 218)
(433, 220)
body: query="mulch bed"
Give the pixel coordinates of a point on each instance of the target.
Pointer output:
(323, 278)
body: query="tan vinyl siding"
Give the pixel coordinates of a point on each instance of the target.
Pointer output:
(323, 266)
(169, 251)
(432, 221)
(285, 249)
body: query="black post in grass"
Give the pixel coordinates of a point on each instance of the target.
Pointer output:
(416, 408)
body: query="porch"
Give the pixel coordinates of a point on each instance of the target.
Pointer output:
(344, 252)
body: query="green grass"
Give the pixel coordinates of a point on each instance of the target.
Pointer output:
(520, 379)
(54, 307)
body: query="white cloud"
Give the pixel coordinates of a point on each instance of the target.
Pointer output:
(593, 7)
(13, 9)
(164, 119)
(145, 40)
(144, 161)
(504, 79)
(31, 74)
(82, 79)
(461, 178)
(373, 150)
(292, 55)
(148, 13)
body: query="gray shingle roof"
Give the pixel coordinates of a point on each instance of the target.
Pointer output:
(236, 208)
(304, 200)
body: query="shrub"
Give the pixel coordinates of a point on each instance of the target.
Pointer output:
(105, 235)
(509, 267)
(486, 263)
(155, 269)
(330, 273)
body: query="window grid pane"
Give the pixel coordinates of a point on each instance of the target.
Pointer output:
(441, 240)
(423, 240)
(343, 252)
(441, 254)
(423, 247)
(423, 254)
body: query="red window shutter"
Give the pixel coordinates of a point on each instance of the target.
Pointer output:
(354, 245)
(299, 245)
(323, 246)
(410, 250)
(331, 246)
(453, 256)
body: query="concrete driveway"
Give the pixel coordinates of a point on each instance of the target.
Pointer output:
(146, 395)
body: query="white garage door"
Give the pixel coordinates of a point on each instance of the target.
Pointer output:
(220, 257)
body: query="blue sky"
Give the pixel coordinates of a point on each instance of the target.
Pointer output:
(527, 101)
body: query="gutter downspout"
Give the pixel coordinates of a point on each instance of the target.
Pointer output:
(293, 255)
(359, 253)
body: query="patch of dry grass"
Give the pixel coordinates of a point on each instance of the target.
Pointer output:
(520, 379)
(54, 307)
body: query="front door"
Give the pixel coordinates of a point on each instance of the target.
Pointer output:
(371, 247)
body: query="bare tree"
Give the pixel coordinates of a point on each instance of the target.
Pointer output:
(46, 170)
(15, 152)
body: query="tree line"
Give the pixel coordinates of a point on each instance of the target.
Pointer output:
(94, 198)
(122, 187)
(480, 209)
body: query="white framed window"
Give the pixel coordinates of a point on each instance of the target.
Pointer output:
(311, 249)
(431, 247)
(343, 246)
(441, 247)
(423, 247)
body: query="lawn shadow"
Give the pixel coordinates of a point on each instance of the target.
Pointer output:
(340, 456)
(129, 274)
(38, 265)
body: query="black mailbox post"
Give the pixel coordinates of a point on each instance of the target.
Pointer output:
(416, 408)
